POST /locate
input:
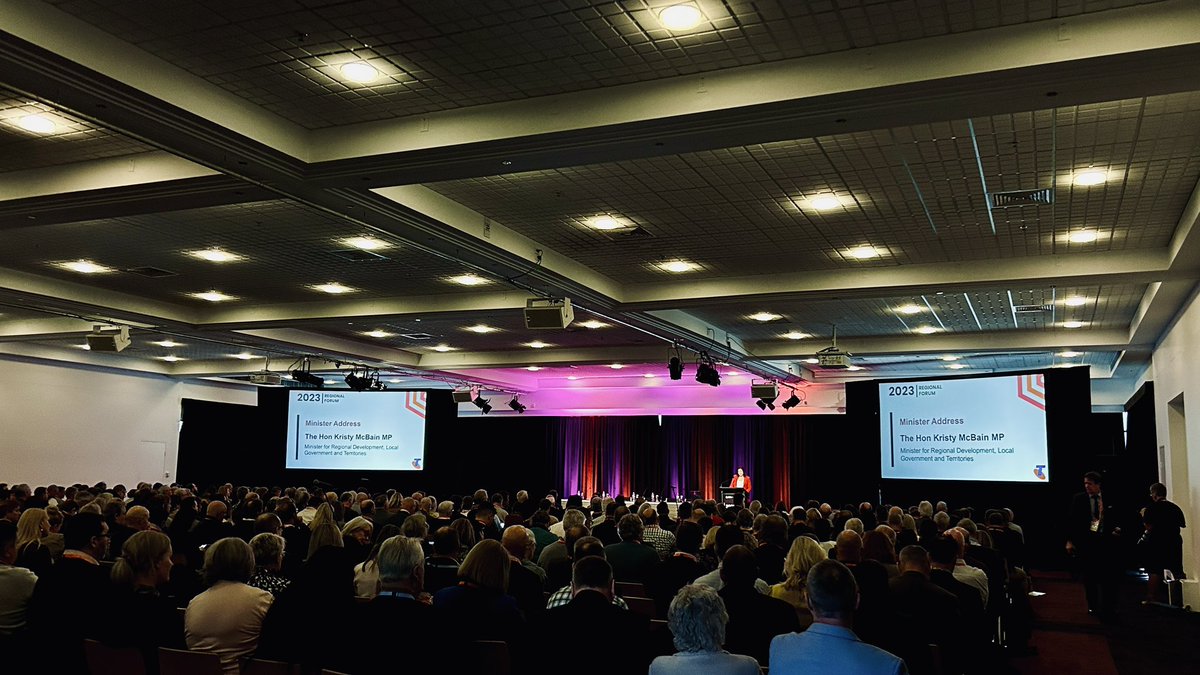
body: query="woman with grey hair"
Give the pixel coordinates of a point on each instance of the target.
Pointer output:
(268, 560)
(697, 619)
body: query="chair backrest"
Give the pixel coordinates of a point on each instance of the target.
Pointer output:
(633, 588)
(644, 606)
(184, 662)
(253, 666)
(105, 660)
(491, 656)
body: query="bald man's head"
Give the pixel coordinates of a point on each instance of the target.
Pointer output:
(848, 547)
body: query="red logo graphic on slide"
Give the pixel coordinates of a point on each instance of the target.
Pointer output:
(415, 402)
(1032, 390)
(1040, 471)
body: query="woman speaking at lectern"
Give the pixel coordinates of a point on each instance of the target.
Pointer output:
(741, 480)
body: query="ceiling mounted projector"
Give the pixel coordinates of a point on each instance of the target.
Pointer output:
(832, 357)
(547, 314)
(266, 377)
(109, 341)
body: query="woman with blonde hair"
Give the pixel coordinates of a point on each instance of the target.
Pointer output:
(31, 554)
(323, 531)
(803, 554)
(149, 621)
(226, 619)
(482, 593)
(356, 539)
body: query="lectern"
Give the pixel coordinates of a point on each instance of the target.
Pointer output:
(733, 496)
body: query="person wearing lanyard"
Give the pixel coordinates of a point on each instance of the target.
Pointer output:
(1091, 537)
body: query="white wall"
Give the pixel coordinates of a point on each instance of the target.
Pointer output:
(1176, 374)
(65, 424)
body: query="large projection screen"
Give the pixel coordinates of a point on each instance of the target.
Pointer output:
(985, 428)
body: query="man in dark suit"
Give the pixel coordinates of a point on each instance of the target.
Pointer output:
(754, 618)
(924, 612)
(973, 635)
(524, 582)
(77, 580)
(623, 632)
(1093, 530)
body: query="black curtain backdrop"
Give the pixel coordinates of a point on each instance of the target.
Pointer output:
(790, 458)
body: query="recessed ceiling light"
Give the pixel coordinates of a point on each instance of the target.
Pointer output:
(243, 356)
(468, 280)
(1072, 324)
(170, 357)
(910, 309)
(605, 223)
(378, 333)
(167, 343)
(616, 366)
(38, 124)
(84, 267)
(926, 330)
(214, 255)
(764, 316)
(680, 17)
(823, 202)
(1083, 237)
(854, 368)
(678, 266)
(812, 360)
(949, 358)
(795, 335)
(1075, 301)
(333, 288)
(1090, 178)
(442, 348)
(648, 375)
(395, 380)
(533, 368)
(572, 377)
(213, 296)
(85, 347)
(481, 328)
(358, 71)
(536, 344)
(365, 243)
(1069, 354)
(956, 366)
(864, 253)
(592, 323)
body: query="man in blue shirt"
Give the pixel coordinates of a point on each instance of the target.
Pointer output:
(829, 645)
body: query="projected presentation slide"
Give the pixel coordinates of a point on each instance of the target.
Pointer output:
(376, 431)
(989, 428)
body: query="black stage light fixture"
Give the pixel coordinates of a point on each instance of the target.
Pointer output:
(482, 403)
(792, 402)
(706, 373)
(358, 382)
(765, 404)
(305, 377)
(515, 404)
(675, 366)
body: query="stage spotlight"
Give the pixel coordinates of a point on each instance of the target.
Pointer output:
(357, 382)
(792, 402)
(482, 403)
(515, 404)
(705, 372)
(675, 366)
(305, 377)
(765, 404)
